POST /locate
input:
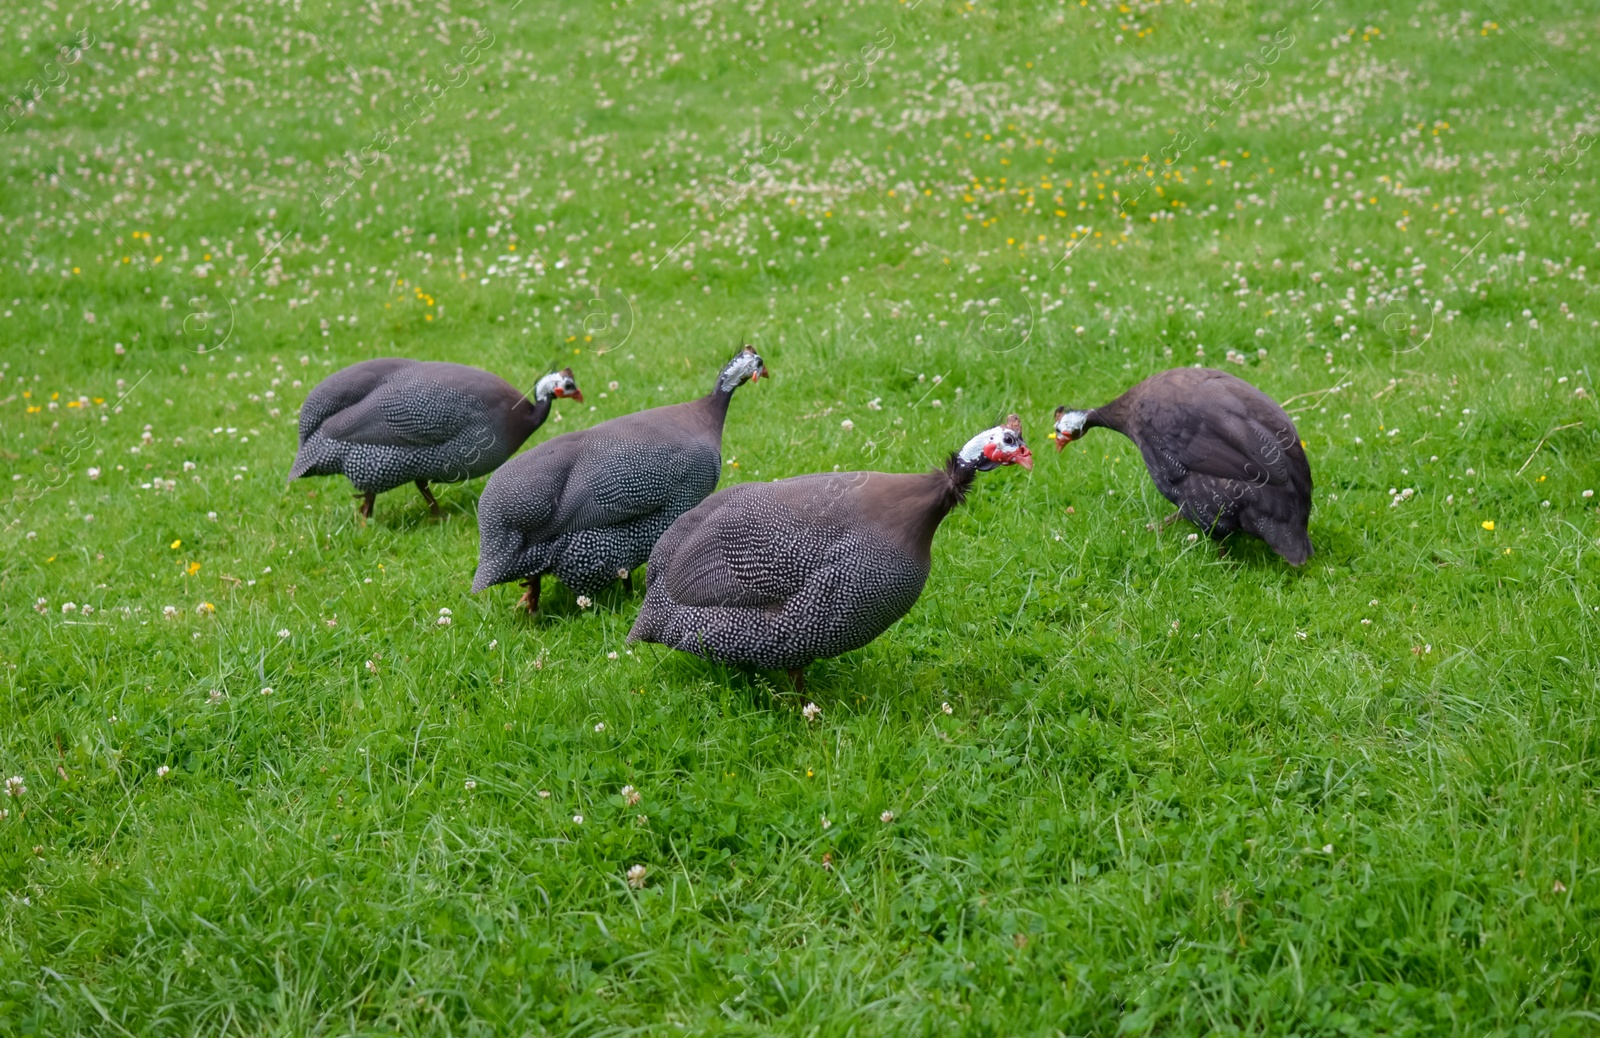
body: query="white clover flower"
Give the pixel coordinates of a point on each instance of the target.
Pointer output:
(811, 711)
(584, 601)
(15, 786)
(283, 632)
(886, 817)
(162, 771)
(41, 606)
(826, 824)
(847, 425)
(544, 794)
(630, 796)
(169, 611)
(471, 785)
(636, 877)
(445, 611)
(444, 621)
(600, 726)
(947, 708)
(69, 607)
(577, 819)
(372, 668)
(94, 473)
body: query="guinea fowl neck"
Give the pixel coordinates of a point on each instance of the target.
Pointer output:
(527, 415)
(717, 402)
(946, 489)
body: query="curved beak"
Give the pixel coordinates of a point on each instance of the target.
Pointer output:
(576, 394)
(1025, 458)
(1062, 439)
(760, 374)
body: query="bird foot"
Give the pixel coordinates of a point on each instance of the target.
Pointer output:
(427, 495)
(798, 676)
(530, 597)
(364, 509)
(1169, 520)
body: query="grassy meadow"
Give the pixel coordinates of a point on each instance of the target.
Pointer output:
(278, 772)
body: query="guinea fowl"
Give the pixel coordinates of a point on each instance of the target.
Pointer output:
(777, 575)
(588, 506)
(390, 421)
(1217, 447)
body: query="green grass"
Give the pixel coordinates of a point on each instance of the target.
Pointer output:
(1172, 793)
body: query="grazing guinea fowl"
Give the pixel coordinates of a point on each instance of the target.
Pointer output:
(1217, 447)
(588, 506)
(780, 574)
(391, 421)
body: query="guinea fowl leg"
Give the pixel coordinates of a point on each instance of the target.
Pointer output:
(364, 509)
(798, 676)
(427, 495)
(530, 598)
(627, 580)
(1174, 517)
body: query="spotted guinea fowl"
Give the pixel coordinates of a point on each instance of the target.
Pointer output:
(391, 421)
(588, 506)
(777, 575)
(1217, 447)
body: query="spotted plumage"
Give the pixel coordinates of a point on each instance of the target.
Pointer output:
(391, 421)
(777, 575)
(1217, 447)
(587, 507)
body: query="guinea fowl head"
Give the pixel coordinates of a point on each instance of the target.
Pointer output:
(558, 383)
(992, 448)
(746, 366)
(1069, 425)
